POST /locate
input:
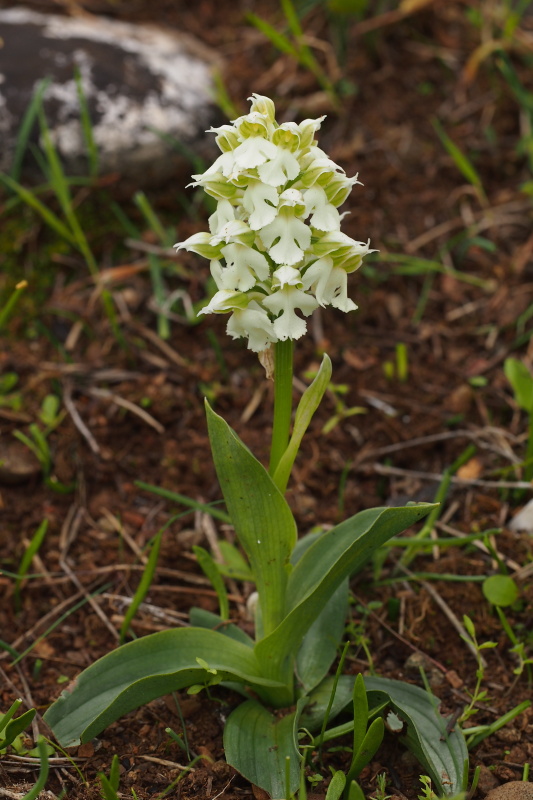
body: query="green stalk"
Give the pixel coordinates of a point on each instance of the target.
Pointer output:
(282, 401)
(528, 472)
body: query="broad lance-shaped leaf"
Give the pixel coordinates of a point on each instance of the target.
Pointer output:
(335, 555)
(319, 646)
(260, 515)
(257, 744)
(441, 752)
(145, 669)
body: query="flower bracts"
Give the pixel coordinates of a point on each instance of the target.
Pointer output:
(275, 243)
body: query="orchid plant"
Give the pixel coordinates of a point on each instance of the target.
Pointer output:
(277, 253)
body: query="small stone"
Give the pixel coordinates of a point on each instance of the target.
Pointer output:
(514, 790)
(508, 735)
(487, 780)
(86, 750)
(17, 463)
(455, 681)
(461, 399)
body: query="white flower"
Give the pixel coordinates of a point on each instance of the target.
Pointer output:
(200, 243)
(286, 238)
(245, 267)
(252, 322)
(285, 302)
(324, 215)
(261, 203)
(274, 241)
(329, 283)
(280, 169)
(223, 301)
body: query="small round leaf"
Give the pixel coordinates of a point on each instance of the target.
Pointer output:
(500, 590)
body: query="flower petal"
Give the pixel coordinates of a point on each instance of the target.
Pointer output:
(260, 201)
(254, 323)
(280, 168)
(286, 238)
(289, 325)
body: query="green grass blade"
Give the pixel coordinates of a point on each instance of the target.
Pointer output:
(9, 307)
(33, 548)
(28, 197)
(210, 570)
(86, 126)
(144, 205)
(463, 164)
(183, 500)
(277, 39)
(143, 587)
(26, 127)
(34, 793)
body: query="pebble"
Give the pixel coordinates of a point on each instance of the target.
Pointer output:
(17, 463)
(514, 790)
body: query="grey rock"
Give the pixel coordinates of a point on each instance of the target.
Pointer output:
(136, 79)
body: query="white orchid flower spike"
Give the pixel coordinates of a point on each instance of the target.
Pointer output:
(274, 242)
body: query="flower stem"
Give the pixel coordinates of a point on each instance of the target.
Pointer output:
(282, 401)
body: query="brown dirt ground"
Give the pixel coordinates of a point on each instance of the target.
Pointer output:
(414, 201)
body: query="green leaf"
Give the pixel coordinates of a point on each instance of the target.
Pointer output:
(521, 380)
(257, 744)
(140, 671)
(234, 565)
(500, 590)
(319, 646)
(209, 568)
(15, 727)
(442, 754)
(368, 749)
(260, 515)
(304, 413)
(143, 587)
(201, 618)
(336, 786)
(332, 558)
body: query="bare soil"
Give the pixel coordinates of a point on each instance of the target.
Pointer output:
(134, 409)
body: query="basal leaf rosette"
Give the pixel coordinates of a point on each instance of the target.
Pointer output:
(274, 242)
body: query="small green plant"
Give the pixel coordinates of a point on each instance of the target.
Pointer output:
(36, 440)
(11, 729)
(381, 787)
(479, 695)
(32, 549)
(398, 369)
(501, 591)
(109, 785)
